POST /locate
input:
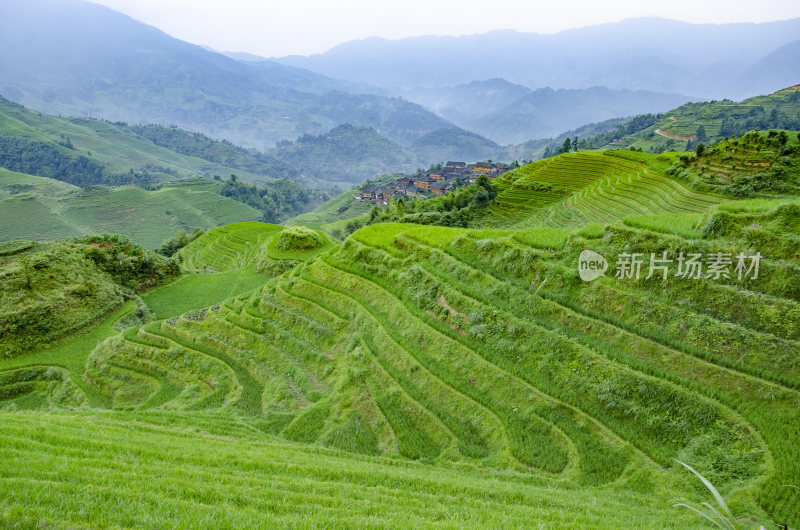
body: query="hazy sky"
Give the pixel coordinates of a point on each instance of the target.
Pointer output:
(275, 28)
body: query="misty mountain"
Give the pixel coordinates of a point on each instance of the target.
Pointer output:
(455, 144)
(462, 103)
(346, 153)
(349, 153)
(546, 112)
(71, 57)
(701, 60)
(778, 69)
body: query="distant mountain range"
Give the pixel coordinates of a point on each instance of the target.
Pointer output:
(86, 151)
(73, 57)
(405, 103)
(701, 60)
(510, 114)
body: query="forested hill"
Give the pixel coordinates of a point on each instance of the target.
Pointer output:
(708, 122)
(345, 153)
(681, 128)
(79, 58)
(85, 151)
(220, 152)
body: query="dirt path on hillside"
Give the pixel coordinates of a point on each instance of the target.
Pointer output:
(675, 136)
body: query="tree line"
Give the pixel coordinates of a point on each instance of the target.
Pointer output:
(278, 200)
(46, 160)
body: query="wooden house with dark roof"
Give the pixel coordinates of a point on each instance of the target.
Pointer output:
(456, 165)
(423, 182)
(368, 192)
(384, 193)
(440, 188)
(484, 167)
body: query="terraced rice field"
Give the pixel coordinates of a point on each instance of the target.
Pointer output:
(574, 189)
(49, 211)
(227, 248)
(407, 364)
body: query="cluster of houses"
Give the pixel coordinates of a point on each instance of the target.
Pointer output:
(429, 183)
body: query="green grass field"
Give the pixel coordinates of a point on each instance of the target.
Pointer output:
(195, 291)
(434, 376)
(47, 209)
(334, 214)
(428, 363)
(222, 476)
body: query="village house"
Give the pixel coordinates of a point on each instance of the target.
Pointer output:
(423, 182)
(483, 167)
(436, 175)
(437, 182)
(407, 189)
(440, 188)
(383, 194)
(368, 192)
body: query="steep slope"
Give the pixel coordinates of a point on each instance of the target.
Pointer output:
(443, 345)
(707, 122)
(579, 188)
(73, 57)
(163, 152)
(41, 209)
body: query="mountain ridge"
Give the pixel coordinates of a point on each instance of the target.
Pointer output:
(653, 54)
(83, 59)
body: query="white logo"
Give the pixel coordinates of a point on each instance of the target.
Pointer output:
(591, 265)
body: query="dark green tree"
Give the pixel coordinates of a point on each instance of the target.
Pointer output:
(700, 149)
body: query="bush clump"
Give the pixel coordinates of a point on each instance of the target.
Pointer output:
(299, 238)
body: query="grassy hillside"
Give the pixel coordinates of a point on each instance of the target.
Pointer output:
(44, 209)
(677, 129)
(53, 289)
(444, 351)
(252, 246)
(118, 148)
(470, 370)
(219, 152)
(227, 248)
(592, 187)
(283, 485)
(339, 208)
(755, 164)
(709, 122)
